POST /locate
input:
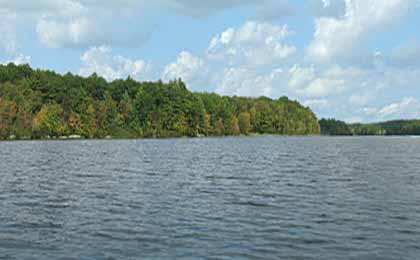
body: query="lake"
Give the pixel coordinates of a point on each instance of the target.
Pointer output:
(213, 198)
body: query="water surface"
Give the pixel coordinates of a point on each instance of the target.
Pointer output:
(215, 198)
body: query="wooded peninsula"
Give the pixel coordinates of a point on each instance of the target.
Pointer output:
(41, 104)
(334, 127)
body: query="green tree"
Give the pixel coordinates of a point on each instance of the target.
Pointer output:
(8, 113)
(334, 127)
(49, 122)
(234, 126)
(89, 123)
(37, 103)
(244, 121)
(126, 107)
(75, 124)
(220, 128)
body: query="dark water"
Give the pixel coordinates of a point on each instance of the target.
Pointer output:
(232, 198)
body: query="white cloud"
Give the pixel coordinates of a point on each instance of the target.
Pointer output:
(82, 23)
(312, 82)
(189, 68)
(247, 82)
(102, 61)
(252, 44)
(238, 61)
(92, 29)
(75, 23)
(126, 23)
(407, 108)
(338, 38)
(18, 60)
(55, 34)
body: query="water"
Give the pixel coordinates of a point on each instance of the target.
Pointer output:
(230, 198)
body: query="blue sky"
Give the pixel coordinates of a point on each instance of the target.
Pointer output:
(356, 60)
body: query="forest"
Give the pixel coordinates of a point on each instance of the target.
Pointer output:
(396, 127)
(41, 104)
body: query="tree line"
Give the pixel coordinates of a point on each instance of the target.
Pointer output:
(395, 127)
(37, 104)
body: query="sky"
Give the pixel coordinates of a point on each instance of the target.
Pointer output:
(354, 60)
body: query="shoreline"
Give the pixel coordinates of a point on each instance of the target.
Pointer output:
(204, 137)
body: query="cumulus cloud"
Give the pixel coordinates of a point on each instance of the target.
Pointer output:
(126, 23)
(312, 82)
(102, 61)
(365, 91)
(338, 38)
(409, 107)
(255, 59)
(18, 60)
(243, 81)
(84, 31)
(83, 23)
(239, 61)
(55, 34)
(253, 44)
(190, 68)
(75, 23)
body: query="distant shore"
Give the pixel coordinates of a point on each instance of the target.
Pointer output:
(110, 138)
(334, 127)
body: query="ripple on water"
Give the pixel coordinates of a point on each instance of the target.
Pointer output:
(228, 198)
